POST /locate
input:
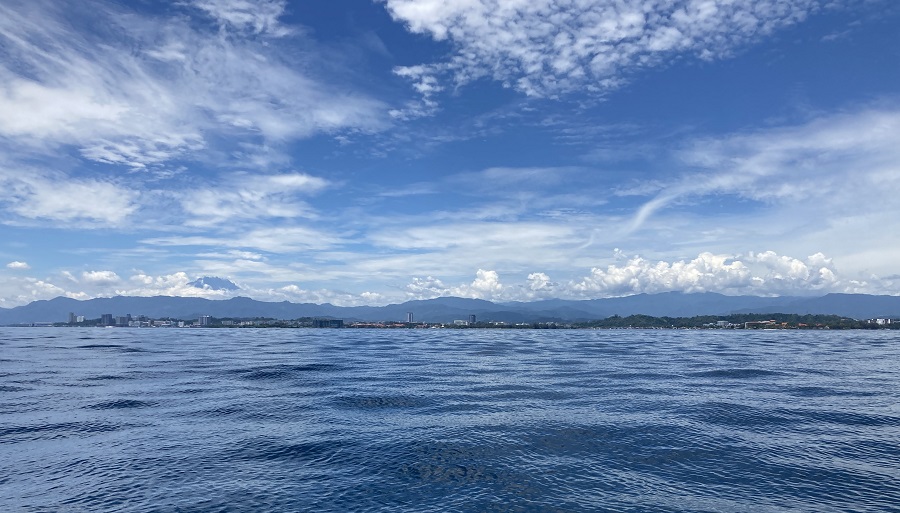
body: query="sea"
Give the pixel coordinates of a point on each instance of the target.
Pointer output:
(432, 420)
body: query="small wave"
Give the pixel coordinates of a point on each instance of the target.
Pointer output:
(379, 402)
(848, 418)
(274, 450)
(276, 372)
(736, 373)
(812, 391)
(740, 415)
(104, 377)
(15, 434)
(120, 404)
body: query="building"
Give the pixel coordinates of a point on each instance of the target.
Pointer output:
(71, 318)
(328, 323)
(409, 317)
(204, 320)
(107, 320)
(472, 319)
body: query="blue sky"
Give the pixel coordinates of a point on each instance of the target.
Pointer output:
(360, 152)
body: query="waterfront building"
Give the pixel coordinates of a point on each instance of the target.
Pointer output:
(328, 323)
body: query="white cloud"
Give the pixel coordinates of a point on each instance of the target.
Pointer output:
(100, 278)
(486, 285)
(146, 90)
(256, 16)
(835, 166)
(18, 266)
(539, 285)
(288, 239)
(251, 196)
(765, 273)
(21, 290)
(762, 274)
(175, 284)
(297, 294)
(547, 47)
(34, 194)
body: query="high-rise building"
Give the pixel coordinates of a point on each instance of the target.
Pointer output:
(71, 317)
(472, 319)
(107, 320)
(204, 320)
(409, 317)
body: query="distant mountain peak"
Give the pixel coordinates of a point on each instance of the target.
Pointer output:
(213, 283)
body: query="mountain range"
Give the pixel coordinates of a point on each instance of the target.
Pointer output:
(447, 309)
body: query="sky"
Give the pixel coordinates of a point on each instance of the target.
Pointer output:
(371, 152)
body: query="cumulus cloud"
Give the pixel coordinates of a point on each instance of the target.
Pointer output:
(765, 273)
(100, 278)
(18, 266)
(486, 285)
(539, 285)
(548, 47)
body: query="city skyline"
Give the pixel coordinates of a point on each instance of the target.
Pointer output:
(367, 153)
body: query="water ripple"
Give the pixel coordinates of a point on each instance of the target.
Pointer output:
(444, 420)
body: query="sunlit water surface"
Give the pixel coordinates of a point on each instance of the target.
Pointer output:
(448, 420)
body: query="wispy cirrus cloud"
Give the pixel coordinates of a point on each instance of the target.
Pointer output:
(835, 165)
(275, 239)
(544, 47)
(38, 195)
(256, 16)
(243, 196)
(145, 90)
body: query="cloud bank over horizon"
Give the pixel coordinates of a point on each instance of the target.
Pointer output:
(761, 274)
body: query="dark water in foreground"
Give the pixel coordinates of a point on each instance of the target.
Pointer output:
(432, 420)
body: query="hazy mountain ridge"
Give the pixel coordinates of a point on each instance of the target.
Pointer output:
(447, 309)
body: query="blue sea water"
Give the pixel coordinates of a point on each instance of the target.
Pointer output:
(156, 420)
